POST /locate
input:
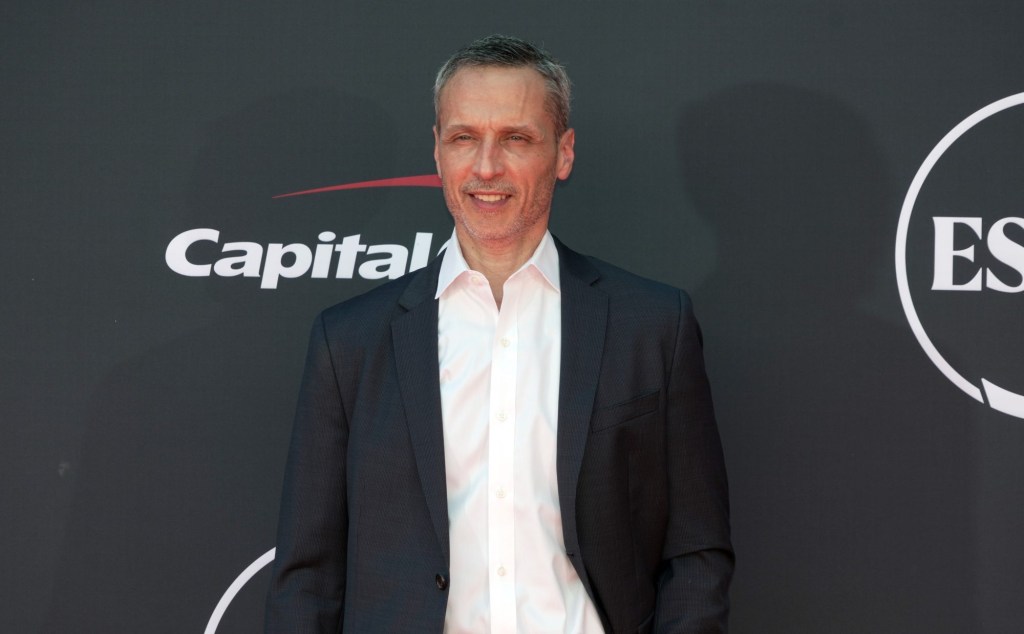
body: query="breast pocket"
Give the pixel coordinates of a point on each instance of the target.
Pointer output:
(628, 411)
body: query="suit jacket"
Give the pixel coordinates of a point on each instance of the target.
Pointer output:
(363, 535)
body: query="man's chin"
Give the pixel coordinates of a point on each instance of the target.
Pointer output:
(489, 237)
(492, 231)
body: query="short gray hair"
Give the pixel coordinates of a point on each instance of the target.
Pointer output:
(512, 52)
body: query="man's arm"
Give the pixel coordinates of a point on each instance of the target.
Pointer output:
(307, 591)
(698, 558)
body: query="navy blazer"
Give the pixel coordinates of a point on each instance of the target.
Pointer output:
(363, 534)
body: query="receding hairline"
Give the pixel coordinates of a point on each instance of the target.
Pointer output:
(502, 51)
(531, 75)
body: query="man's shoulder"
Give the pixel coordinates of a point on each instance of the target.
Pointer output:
(381, 302)
(621, 284)
(616, 277)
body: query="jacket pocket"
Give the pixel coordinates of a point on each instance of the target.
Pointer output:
(648, 624)
(621, 413)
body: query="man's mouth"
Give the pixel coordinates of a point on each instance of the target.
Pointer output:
(490, 198)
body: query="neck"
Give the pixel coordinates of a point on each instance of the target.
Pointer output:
(497, 262)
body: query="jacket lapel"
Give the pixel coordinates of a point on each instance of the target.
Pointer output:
(584, 320)
(414, 336)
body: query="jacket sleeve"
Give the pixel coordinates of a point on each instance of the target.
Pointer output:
(307, 590)
(697, 557)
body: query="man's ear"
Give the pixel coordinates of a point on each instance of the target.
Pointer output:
(437, 143)
(566, 154)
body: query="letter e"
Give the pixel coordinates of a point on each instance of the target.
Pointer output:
(945, 254)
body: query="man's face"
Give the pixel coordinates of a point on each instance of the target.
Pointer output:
(497, 155)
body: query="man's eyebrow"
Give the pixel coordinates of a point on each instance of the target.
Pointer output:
(526, 128)
(523, 128)
(456, 127)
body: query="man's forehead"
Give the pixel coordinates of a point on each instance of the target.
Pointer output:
(477, 72)
(517, 90)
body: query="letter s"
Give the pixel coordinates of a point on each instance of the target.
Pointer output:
(178, 246)
(1006, 251)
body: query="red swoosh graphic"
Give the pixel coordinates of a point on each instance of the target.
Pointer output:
(427, 180)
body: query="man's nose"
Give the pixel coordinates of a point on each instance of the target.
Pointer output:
(489, 162)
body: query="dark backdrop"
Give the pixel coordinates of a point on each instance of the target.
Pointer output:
(757, 154)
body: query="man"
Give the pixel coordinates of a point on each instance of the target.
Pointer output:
(516, 438)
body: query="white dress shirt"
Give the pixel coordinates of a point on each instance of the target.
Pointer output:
(499, 372)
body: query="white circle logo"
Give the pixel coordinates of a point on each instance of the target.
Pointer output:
(233, 589)
(981, 266)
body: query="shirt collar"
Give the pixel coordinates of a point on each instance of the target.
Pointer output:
(544, 260)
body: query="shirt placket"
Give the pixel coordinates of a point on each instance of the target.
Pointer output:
(501, 452)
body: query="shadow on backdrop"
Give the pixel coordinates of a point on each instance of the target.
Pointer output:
(851, 481)
(185, 444)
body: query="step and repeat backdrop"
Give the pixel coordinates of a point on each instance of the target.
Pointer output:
(838, 185)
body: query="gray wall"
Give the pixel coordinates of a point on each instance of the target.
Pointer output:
(757, 154)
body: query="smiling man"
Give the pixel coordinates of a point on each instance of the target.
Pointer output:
(517, 438)
(498, 151)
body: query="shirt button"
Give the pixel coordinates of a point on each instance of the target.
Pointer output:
(500, 493)
(441, 581)
(501, 571)
(501, 416)
(505, 342)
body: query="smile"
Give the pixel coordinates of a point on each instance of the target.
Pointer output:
(490, 198)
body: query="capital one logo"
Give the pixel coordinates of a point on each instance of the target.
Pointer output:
(331, 257)
(960, 255)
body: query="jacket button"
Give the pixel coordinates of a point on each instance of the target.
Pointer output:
(441, 581)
